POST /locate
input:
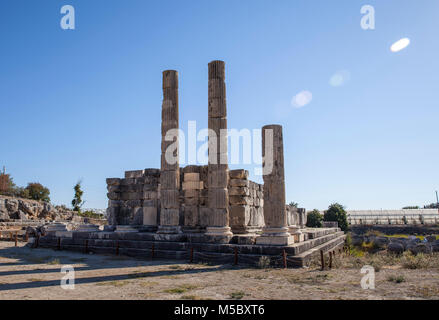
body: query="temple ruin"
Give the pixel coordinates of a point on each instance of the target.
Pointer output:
(203, 212)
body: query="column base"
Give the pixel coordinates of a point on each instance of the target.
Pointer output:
(218, 234)
(169, 229)
(275, 237)
(296, 234)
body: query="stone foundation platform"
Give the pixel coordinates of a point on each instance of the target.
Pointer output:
(195, 247)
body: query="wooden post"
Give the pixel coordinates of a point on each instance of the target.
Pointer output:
(152, 251)
(10, 236)
(26, 237)
(322, 258)
(117, 248)
(16, 239)
(86, 245)
(330, 259)
(37, 241)
(236, 256)
(192, 255)
(59, 243)
(285, 258)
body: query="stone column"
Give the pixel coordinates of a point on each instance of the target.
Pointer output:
(218, 197)
(275, 231)
(170, 170)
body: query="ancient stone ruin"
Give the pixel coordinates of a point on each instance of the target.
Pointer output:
(209, 212)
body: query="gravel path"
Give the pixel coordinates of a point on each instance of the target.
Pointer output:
(35, 274)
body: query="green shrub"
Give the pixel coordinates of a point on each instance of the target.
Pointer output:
(336, 212)
(36, 191)
(314, 219)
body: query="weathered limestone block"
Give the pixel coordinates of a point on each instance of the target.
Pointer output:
(218, 198)
(239, 183)
(256, 216)
(150, 195)
(170, 79)
(127, 181)
(152, 180)
(192, 185)
(168, 166)
(239, 217)
(114, 196)
(131, 188)
(134, 203)
(149, 216)
(218, 179)
(112, 214)
(152, 172)
(170, 180)
(191, 176)
(113, 188)
(170, 199)
(191, 193)
(239, 191)
(205, 214)
(134, 174)
(130, 196)
(150, 203)
(238, 174)
(191, 169)
(114, 203)
(219, 217)
(169, 217)
(217, 88)
(149, 187)
(191, 215)
(192, 201)
(113, 181)
(217, 70)
(169, 118)
(217, 108)
(240, 200)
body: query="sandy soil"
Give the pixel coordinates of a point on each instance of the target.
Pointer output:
(35, 274)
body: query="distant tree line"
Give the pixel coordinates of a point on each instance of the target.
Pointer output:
(33, 190)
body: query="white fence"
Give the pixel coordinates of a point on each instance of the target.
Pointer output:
(409, 216)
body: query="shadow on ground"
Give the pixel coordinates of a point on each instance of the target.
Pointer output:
(39, 258)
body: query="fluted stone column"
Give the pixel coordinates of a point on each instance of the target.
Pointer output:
(218, 197)
(275, 231)
(170, 170)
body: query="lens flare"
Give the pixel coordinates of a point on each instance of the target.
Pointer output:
(301, 99)
(400, 45)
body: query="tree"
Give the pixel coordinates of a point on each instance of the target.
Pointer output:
(77, 202)
(432, 206)
(314, 219)
(336, 212)
(7, 185)
(410, 207)
(293, 204)
(36, 191)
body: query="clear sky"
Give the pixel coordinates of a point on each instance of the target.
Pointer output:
(86, 103)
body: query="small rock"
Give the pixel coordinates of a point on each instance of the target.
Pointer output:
(395, 247)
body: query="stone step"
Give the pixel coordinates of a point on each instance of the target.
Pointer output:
(316, 233)
(297, 254)
(304, 258)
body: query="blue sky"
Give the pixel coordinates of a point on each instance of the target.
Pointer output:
(86, 103)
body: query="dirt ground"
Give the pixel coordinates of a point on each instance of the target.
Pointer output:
(36, 274)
